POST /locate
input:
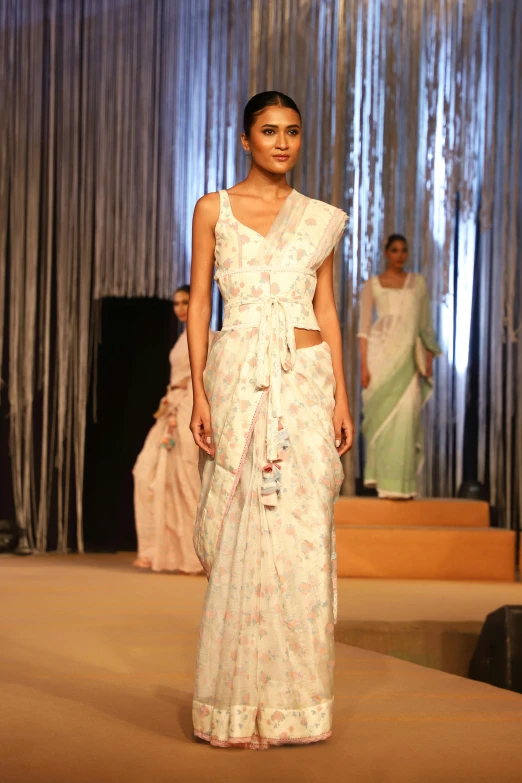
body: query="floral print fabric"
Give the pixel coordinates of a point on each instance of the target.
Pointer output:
(265, 660)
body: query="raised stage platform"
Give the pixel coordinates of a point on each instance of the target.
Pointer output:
(97, 663)
(421, 539)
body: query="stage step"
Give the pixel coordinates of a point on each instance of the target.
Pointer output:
(420, 552)
(430, 512)
(446, 646)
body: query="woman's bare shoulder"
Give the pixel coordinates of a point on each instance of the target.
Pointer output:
(207, 209)
(419, 280)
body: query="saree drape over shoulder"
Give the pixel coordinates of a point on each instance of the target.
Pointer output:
(394, 399)
(166, 477)
(264, 531)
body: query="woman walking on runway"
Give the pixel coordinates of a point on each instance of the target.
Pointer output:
(271, 414)
(397, 353)
(166, 477)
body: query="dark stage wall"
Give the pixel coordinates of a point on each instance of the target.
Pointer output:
(133, 371)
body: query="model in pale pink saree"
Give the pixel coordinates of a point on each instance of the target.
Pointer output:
(264, 530)
(166, 478)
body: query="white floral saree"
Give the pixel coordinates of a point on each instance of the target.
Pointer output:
(264, 531)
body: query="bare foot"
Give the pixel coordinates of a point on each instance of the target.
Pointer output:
(192, 573)
(142, 562)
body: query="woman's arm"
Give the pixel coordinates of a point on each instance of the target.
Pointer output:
(205, 218)
(426, 332)
(365, 325)
(326, 314)
(363, 351)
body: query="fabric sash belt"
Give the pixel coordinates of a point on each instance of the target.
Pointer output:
(276, 351)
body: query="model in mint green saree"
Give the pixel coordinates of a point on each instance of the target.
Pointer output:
(396, 394)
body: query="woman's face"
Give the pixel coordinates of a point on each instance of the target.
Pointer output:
(397, 255)
(275, 139)
(181, 300)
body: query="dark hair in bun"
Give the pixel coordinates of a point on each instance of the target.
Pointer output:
(262, 101)
(395, 238)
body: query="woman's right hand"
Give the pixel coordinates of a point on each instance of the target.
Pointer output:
(163, 408)
(200, 425)
(365, 377)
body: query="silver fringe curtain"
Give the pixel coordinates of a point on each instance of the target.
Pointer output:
(116, 115)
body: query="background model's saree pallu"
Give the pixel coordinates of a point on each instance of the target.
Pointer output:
(264, 531)
(394, 399)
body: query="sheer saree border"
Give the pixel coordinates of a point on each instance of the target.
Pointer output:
(259, 727)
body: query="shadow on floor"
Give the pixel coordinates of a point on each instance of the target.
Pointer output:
(166, 712)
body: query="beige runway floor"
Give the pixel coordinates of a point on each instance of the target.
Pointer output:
(96, 668)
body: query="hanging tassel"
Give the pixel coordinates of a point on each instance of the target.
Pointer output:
(283, 444)
(271, 484)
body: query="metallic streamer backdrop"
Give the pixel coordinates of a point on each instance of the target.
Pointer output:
(116, 115)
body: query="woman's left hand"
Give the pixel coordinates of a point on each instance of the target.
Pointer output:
(343, 428)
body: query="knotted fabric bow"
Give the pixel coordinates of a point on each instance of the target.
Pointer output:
(276, 352)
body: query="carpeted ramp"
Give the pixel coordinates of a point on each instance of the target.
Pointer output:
(97, 664)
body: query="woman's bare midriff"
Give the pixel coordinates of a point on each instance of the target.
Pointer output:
(305, 338)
